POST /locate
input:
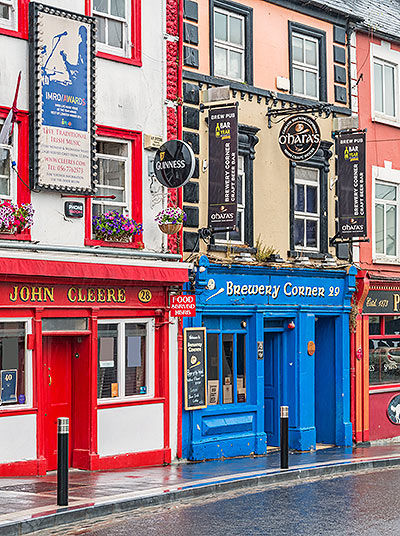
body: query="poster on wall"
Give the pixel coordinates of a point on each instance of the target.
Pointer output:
(351, 185)
(61, 99)
(222, 168)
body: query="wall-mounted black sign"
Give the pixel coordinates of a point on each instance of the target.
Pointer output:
(174, 163)
(382, 301)
(222, 168)
(195, 379)
(393, 410)
(73, 209)
(299, 138)
(351, 185)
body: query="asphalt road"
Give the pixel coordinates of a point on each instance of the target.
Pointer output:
(360, 504)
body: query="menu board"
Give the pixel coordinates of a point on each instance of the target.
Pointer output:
(194, 356)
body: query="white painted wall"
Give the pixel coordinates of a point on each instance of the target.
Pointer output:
(18, 438)
(130, 429)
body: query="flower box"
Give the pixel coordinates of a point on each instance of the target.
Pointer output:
(14, 219)
(115, 227)
(170, 228)
(170, 220)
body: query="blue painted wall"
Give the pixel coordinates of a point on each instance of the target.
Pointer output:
(267, 300)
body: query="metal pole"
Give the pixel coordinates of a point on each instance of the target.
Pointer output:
(62, 460)
(284, 437)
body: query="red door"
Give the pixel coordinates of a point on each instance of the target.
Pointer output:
(57, 357)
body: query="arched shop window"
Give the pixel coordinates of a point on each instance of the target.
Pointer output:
(384, 350)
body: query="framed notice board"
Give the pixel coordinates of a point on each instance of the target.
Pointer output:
(195, 366)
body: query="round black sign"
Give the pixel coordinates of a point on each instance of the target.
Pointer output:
(174, 163)
(299, 138)
(393, 410)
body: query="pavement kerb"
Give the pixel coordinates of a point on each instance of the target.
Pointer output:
(64, 516)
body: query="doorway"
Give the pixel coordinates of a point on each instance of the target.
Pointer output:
(272, 386)
(325, 407)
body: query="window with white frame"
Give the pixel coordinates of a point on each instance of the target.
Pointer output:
(8, 12)
(306, 208)
(385, 81)
(113, 176)
(238, 235)
(113, 24)
(125, 358)
(386, 217)
(305, 66)
(229, 45)
(7, 156)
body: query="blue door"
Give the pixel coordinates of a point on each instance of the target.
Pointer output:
(272, 380)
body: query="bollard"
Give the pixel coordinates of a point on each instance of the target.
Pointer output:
(284, 437)
(62, 460)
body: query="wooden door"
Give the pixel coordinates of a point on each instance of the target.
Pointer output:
(272, 379)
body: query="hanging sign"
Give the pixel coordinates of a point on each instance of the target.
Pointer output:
(62, 85)
(351, 185)
(174, 164)
(222, 168)
(8, 383)
(299, 138)
(183, 305)
(195, 379)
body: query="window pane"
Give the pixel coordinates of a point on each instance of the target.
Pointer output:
(5, 168)
(311, 84)
(213, 368)
(298, 232)
(118, 8)
(384, 361)
(64, 324)
(390, 230)
(135, 359)
(237, 235)
(374, 325)
(379, 229)
(297, 49)
(12, 356)
(98, 208)
(241, 367)
(240, 178)
(235, 64)
(111, 172)
(100, 5)
(112, 148)
(107, 370)
(235, 31)
(221, 26)
(378, 87)
(298, 81)
(119, 194)
(306, 173)
(299, 200)
(220, 61)
(100, 29)
(311, 52)
(312, 233)
(115, 32)
(4, 186)
(312, 199)
(392, 325)
(227, 368)
(389, 90)
(4, 12)
(385, 191)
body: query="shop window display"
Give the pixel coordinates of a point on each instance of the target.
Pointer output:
(384, 350)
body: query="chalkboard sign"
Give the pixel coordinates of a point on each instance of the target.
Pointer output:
(195, 368)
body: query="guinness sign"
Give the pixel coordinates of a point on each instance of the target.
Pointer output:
(299, 138)
(174, 163)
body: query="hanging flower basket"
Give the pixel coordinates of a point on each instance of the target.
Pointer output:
(115, 227)
(15, 219)
(170, 228)
(170, 220)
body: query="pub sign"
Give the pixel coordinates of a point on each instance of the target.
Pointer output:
(299, 138)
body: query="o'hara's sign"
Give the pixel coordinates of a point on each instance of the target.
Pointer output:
(382, 301)
(299, 138)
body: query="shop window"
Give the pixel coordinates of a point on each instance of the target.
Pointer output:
(384, 350)
(385, 84)
(231, 41)
(125, 359)
(386, 219)
(118, 29)
(14, 364)
(307, 56)
(226, 368)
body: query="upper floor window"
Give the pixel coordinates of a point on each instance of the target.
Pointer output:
(385, 84)
(231, 47)
(306, 208)
(7, 177)
(386, 216)
(307, 61)
(8, 12)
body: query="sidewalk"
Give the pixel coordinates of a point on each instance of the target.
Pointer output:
(28, 504)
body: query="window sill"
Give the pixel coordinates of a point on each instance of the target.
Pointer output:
(296, 254)
(13, 33)
(236, 249)
(120, 59)
(136, 244)
(386, 260)
(120, 402)
(386, 121)
(21, 236)
(16, 409)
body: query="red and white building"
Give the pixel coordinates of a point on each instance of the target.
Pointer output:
(86, 323)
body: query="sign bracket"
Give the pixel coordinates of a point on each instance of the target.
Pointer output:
(320, 109)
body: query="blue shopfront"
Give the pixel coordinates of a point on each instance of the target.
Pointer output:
(275, 336)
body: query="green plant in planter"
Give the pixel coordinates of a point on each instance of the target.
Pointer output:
(263, 252)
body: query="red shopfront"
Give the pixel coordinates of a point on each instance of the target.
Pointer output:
(98, 347)
(376, 360)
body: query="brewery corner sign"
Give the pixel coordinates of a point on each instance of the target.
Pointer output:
(299, 138)
(174, 163)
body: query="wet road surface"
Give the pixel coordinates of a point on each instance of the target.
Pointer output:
(361, 504)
